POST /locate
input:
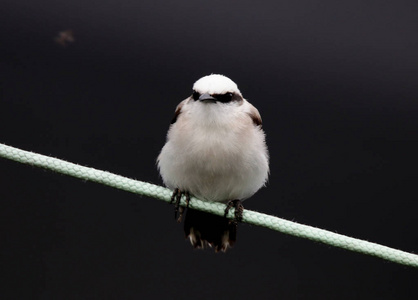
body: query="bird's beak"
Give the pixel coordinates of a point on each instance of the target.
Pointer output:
(206, 98)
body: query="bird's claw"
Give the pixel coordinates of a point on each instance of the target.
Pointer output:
(239, 210)
(175, 198)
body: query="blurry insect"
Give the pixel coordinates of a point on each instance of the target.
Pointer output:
(65, 37)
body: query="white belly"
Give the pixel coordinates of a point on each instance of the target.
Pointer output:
(216, 167)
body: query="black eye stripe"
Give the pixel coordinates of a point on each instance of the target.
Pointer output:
(224, 98)
(196, 95)
(227, 97)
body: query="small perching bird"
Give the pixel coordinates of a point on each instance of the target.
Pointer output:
(215, 151)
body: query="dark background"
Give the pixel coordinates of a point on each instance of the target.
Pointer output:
(335, 83)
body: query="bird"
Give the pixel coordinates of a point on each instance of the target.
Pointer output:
(216, 151)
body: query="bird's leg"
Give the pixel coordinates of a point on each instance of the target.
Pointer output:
(239, 210)
(174, 195)
(181, 209)
(175, 198)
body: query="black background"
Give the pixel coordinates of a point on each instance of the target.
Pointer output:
(335, 83)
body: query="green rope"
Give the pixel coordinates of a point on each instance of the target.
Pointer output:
(251, 217)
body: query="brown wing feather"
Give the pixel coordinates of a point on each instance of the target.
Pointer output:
(255, 116)
(178, 111)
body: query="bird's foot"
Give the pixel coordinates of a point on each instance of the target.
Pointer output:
(175, 198)
(239, 210)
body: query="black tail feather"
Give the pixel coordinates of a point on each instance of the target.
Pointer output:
(205, 229)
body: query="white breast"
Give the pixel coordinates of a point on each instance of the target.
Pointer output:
(215, 152)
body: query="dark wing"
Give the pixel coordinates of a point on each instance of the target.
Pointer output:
(178, 111)
(255, 116)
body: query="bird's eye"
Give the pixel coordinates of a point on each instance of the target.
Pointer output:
(196, 95)
(227, 97)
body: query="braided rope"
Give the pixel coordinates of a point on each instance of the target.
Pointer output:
(251, 217)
